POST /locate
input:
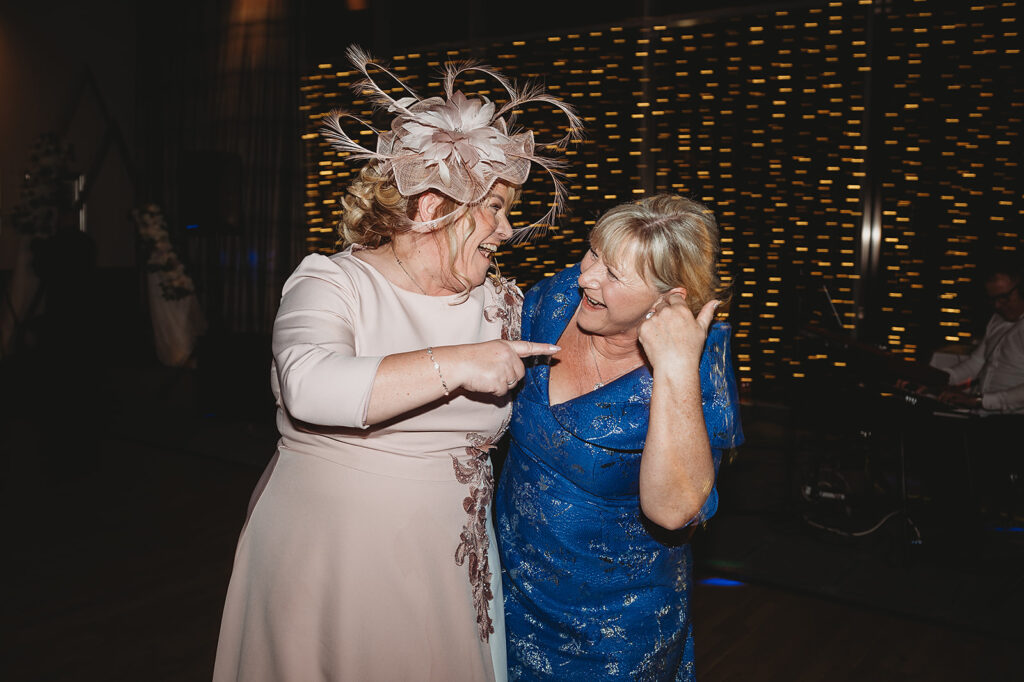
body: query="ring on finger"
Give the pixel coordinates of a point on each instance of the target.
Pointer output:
(649, 315)
(512, 382)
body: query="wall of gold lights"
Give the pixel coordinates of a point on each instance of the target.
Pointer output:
(950, 165)
(832, 147)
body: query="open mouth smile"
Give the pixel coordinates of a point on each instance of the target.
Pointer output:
(591, 302)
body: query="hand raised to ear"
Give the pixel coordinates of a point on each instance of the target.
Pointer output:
(672, 338)
(707, 315)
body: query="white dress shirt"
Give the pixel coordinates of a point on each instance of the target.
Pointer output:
(998, 365)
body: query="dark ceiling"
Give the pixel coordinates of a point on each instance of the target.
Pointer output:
(391, 26)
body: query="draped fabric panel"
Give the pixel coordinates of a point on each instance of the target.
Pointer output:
(219, 80)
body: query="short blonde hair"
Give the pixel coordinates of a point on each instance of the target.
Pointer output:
(374, 211)
(669, 240)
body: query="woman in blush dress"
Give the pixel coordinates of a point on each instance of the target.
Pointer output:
(367, 553)
(615, 447)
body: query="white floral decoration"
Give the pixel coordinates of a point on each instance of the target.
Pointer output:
(175, 284)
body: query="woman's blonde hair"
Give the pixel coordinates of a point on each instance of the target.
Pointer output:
(669, 240)
(374, 211)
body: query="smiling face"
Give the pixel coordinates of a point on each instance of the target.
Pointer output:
(615, 296)
(480, 237)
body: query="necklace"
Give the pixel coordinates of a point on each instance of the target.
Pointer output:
(397, 260)
(593, 354)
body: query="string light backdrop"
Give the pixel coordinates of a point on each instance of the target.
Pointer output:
(867, 150)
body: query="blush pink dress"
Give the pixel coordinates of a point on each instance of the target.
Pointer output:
(368, 552)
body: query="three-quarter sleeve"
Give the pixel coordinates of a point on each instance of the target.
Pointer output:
(322, 380)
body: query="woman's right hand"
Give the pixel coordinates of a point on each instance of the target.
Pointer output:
(493, 367)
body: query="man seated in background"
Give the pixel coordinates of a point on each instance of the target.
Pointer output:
(991, 378)
(990, 382)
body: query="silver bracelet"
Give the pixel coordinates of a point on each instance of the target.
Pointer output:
(444, 384)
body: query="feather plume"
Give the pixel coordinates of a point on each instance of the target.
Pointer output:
(459, 146)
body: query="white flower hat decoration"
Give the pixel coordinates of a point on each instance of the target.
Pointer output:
(457, 145)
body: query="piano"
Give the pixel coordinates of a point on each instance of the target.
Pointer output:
(907, 430)
(915, 384)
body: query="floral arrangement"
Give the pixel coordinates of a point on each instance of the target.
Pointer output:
(175, 284)
(46, 188)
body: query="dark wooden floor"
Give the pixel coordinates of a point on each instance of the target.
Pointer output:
(756, 633)
(118, 573)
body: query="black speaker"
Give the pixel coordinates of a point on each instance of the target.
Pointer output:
(210, 192)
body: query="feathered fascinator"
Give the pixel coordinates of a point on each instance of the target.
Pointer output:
(459, 146)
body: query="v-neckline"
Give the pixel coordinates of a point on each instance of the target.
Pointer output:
(545, 376)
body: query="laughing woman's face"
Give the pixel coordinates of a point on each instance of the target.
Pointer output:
(615, 296)
(491, 228)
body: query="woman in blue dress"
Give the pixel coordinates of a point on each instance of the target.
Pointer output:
(615, 446)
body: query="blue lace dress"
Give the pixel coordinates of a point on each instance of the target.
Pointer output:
(594, 591)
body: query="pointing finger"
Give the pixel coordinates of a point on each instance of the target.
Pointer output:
(527, 348)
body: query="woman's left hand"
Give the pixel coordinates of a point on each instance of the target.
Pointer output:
(672, 338)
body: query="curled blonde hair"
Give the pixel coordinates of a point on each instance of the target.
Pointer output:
(374, 211)
(669, 240)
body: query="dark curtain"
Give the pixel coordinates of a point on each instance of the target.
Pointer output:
(220, 148)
